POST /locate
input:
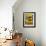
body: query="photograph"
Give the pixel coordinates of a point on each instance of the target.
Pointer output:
(29, 19)
(22, 22)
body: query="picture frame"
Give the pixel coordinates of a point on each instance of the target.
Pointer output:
(29, 19)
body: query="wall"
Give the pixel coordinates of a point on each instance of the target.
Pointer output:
(6, 13)
(43, 22)
(29, 33)
(35, 34)
(6, 16)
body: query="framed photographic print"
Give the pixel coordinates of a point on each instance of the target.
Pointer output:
(29, 19)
